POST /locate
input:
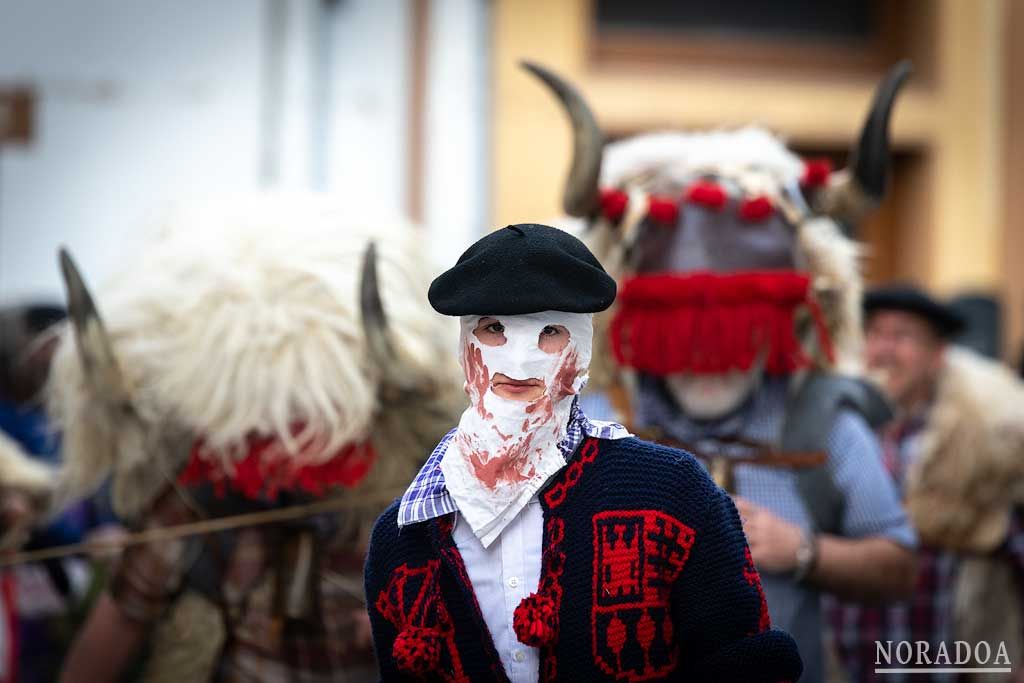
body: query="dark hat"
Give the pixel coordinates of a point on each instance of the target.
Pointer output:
(945, 320)
(525, 268)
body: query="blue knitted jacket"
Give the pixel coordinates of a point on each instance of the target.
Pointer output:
(646, 576)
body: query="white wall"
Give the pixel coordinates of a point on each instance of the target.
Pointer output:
(143, 103)
(130, 115)
(456, 206)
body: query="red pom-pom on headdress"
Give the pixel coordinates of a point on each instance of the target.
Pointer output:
(663, 211)
(756, 209)
(707, 193)
(816, 173)
(613, 204)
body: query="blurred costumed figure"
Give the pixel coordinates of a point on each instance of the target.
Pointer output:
(956, 450)
(241, 364)
(738, 312)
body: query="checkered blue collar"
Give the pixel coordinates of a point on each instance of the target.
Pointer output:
(427, 497)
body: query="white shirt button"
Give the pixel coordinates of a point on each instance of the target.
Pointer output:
(518, 655)
(513, 582)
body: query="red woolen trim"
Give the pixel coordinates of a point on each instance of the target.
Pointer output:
(750, 573)
(756, 209)
(710, 323)
(613, 204)
(665, 211)
(707, 194)
(816, 173)
(265, 471)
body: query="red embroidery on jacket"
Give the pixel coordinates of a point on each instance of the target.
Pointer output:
(754, 579)
(571, 475)
(637, 556)
(411, 601)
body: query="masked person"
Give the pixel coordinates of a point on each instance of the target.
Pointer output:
(736, 334)
(536, 544)
(956, 450)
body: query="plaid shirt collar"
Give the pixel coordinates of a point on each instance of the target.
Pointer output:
(427, 497)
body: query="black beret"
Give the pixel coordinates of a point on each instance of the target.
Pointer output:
(526, 268)
(945, 320)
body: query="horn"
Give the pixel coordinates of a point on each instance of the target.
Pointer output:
(375, 322)
(581, 196)
(862, 185)
(396, 371)
(99, 363)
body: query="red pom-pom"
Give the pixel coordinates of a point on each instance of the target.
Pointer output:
(707, 194)
(417, 650)
(816, 173)
(535, 620)
(613, 204)
(756, 209)
(663, 211)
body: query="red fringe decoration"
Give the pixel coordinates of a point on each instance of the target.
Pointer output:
(535, 620)
(265, 471)
(816, 173)
(664, 211)
(613, 204)
(710, 323)
(417, 650)
(708, 194)
(756, 209)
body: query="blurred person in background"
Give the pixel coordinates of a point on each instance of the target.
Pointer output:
(737, 312)
(956, 450)
(46, 595)
(243, 364)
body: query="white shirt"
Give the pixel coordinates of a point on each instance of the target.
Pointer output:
(502, 575)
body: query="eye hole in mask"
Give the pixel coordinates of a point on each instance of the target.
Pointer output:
(552, 338)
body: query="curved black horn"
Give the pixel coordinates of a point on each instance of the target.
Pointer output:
(581, 195)
(870, 158)
(94, 347)
(397, 371)
(375, 322)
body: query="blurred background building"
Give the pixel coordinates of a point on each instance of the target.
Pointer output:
(112, 110)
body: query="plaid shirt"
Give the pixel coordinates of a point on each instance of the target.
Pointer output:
(427, 497)
(926, 616)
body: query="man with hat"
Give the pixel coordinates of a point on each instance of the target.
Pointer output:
(956, 451)
(537, 544)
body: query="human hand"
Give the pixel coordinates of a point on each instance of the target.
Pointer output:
(773, 541)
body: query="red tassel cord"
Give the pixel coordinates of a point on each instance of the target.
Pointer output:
(711, 323)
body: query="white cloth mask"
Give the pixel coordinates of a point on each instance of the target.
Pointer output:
(506, 449)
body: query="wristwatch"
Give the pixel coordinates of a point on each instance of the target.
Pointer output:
(806, 556)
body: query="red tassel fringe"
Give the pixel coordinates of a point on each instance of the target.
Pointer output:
(265, 471)
(710, 323)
